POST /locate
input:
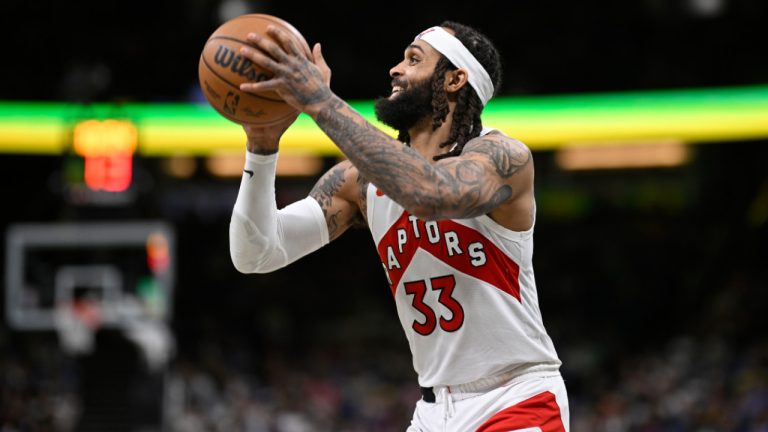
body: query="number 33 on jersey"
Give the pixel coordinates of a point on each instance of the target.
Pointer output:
(460, 282)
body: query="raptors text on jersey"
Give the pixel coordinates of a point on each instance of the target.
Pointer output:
(465, 294)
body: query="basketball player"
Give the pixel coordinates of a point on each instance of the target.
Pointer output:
(451, 208)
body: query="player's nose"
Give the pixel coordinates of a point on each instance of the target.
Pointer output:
(396, 70)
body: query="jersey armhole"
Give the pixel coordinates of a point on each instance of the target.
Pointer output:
(506, 232)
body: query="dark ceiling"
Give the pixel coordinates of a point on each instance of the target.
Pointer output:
(147, 50)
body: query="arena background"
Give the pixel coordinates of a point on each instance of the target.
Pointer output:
(652, 281)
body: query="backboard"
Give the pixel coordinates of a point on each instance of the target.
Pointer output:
(117, 265)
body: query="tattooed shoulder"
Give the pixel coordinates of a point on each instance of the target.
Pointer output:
(508, 155)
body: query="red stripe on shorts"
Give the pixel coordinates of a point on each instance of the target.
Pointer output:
(539, 411)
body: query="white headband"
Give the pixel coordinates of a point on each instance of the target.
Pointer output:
(452, 48)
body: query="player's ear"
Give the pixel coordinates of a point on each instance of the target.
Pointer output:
(455, 80)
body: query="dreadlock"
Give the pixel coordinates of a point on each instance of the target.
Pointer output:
(466, 117)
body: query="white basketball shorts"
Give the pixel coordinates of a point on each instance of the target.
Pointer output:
(527, 403)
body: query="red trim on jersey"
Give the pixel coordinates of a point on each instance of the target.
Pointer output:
(498, 269)
(379, 192)
(539, 411)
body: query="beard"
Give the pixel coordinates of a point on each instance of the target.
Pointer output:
(407, 107)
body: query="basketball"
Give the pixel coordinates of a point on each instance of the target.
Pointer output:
(222, 69)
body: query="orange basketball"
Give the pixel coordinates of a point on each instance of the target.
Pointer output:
(222, 69)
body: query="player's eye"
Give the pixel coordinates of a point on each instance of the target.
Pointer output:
(413, 60)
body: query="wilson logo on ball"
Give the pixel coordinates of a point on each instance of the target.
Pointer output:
(226, 58)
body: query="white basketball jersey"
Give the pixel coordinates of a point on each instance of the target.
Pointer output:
(465, 294)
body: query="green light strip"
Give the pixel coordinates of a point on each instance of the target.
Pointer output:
(543, 122)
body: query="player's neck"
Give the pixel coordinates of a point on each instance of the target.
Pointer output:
(427, 141)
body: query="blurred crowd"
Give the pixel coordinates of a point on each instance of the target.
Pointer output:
(689, 384)
(653, 290)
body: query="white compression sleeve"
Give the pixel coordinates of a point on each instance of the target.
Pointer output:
(263, 239)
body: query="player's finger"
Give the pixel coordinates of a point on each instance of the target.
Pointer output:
(261, 86)
(268, 45)
(285, 41)
(317, 53)
(260, 59)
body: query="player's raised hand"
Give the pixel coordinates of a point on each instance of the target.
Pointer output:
(297, 80)
(265, 139)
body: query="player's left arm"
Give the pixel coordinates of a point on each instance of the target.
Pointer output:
(476, 183)
(493, 169)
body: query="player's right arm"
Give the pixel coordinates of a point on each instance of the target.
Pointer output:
(261, 237)
(341, 193)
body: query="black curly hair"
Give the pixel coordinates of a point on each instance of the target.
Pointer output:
(466, 117)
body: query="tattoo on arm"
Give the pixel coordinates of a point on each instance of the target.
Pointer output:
(459, 188)
(330, 186)
(317, 95)
(361, 218)
(396, 169)
(324, 191)
(305, 76)
(508, 159)
(333, 224)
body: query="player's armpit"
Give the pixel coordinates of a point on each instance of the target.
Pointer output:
(341, 195)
